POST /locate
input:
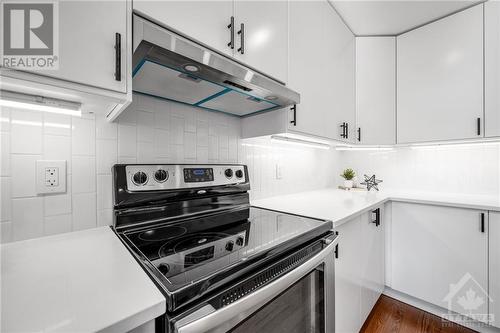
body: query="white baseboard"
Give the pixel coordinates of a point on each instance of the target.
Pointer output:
(439, 311)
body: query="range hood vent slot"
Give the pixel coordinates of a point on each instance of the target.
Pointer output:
(171, 67)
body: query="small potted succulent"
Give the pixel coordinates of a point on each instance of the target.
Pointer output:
(348, 175)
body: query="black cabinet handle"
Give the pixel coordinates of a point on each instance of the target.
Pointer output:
(231, 29)
(336, 251)
(347, 130)
(118, 57)
(359, 134)
(478, 126)
(343, 135)
(482, 222)
(294, 109)
(377, 217)
(242, 39)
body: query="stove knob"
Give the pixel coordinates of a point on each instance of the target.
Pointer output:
(239, 174)
(161, 175)
(229, 173)
(229, 246)
(164, 268)
(139, 178)
(239, 241)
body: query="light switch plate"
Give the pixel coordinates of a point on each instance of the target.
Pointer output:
(50, 176)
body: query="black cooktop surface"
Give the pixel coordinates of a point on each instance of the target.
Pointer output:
(195, 249)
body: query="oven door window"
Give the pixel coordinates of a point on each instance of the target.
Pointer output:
(299, 309)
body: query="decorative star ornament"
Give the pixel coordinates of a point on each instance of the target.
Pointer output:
(371, 182)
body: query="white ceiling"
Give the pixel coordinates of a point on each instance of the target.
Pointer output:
(396, 16)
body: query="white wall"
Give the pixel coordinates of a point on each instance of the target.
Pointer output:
(466, 169)
(150, 131)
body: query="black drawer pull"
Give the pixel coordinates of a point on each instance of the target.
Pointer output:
(118, 57)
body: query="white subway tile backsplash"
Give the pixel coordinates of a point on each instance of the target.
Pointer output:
(83, 136)
(106, 155)
(189, 145)
(213, 148)
(105, 129)
(146, 152)
(23, 175)
(104, 192)
(127, 140)
(26, 132)
(177, 130)
(57, 224)
(84, 211)
(27, 218)
(5, 154)
(56, 124)
(57, 148)
(202, 133)
(162, 143)
(4, 119)
(145, 122)
(83, 178)
(5, 197)
(104, 217)
(58, 204)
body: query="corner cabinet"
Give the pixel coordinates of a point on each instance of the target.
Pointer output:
(252, 32)
(440, 253)
(376, 90)
(359, 269)
(440, 79)
(321, 53)
(492, 68)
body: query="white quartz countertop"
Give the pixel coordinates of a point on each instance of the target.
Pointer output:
(340, 206)
(83, 281)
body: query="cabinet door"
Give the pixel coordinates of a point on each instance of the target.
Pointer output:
(87, 51)
(205, 21)
(338, 94)
(347, 278)
(376, 90)
(265, 36)
(494, 233)
(372, 278)
(440, 254)
(492, 68)
(440, 79)
(305, 71)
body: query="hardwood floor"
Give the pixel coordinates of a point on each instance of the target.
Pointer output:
(390, 315)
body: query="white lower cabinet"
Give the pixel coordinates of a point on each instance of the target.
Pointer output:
(440, 255)
(494, 288)
(359, 271)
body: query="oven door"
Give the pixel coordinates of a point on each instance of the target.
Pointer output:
(300, 301)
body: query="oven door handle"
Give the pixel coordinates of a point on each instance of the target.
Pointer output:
(208, 319)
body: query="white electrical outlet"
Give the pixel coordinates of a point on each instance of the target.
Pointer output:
(50, 176)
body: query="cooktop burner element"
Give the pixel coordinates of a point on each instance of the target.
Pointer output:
(193, 237)
(162, 234)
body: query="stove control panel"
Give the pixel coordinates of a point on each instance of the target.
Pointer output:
(149, 177)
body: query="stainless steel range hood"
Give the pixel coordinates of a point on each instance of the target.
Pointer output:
(171, 67)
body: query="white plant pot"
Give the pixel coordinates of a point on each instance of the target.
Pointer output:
(348, 183)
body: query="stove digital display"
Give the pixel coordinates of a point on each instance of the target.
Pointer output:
(198, 175)
(199, 256)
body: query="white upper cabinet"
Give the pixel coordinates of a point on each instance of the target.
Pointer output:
(376, 90)
(205, 21)
(492, 68)
(261, 36)
(440, 79)
(338, 74)
(440, 253)
(87, 40)
(321, 68)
